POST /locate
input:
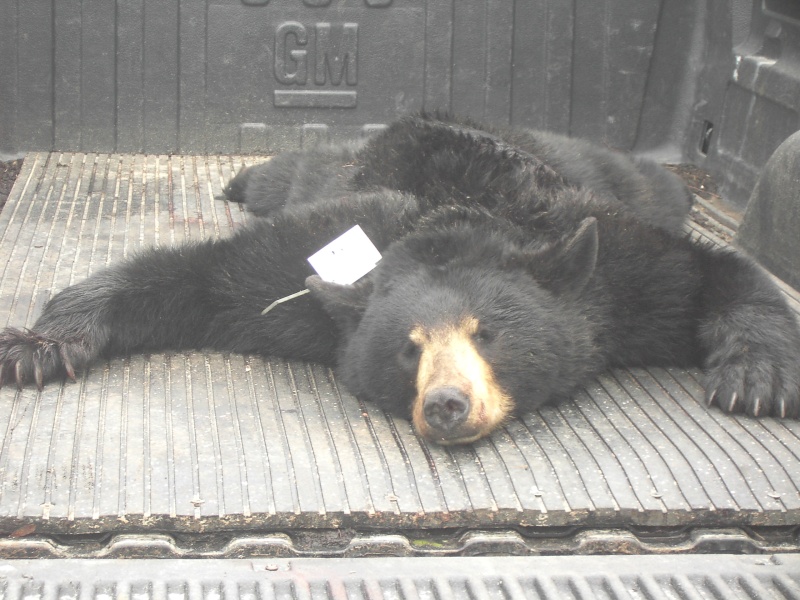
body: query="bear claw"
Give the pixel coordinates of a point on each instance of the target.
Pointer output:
(68, 368)
(757, 386)
(18, 374)
(732, 403)
(29, 357)
(38, 377)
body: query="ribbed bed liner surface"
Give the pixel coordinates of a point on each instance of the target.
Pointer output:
(204, 442)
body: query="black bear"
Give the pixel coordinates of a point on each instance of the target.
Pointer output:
(516, 265)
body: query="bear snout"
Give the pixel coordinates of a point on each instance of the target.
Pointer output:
(458, 400)
(446, 408)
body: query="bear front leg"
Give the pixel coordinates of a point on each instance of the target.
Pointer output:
(197, 296)
(208, 295)
(157, 300)
(750, 340)
(71, 333)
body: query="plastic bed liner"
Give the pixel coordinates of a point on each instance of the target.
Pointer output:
(144, 456)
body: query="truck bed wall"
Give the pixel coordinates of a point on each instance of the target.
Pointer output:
(714, 82)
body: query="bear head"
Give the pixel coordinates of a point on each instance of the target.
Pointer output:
(460, 327)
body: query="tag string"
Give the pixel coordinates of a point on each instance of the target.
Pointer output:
(343, 261)
(284, 299)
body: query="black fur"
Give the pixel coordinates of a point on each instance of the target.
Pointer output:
(296, 177)
(570, 256)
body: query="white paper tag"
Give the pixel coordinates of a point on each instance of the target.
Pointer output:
(344, 261)
(347, 258)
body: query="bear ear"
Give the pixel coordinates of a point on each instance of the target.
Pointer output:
(344, 303)
(566, 268)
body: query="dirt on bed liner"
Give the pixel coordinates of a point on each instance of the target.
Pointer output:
(8, 174)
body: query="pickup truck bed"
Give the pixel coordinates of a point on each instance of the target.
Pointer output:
(261, 479)
(210, 455)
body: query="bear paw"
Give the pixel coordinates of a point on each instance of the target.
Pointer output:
(757, 385)
(27, 356)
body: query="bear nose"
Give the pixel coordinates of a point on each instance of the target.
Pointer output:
(445, 408)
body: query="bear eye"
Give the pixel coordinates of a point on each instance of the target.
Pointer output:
(409, 355)
(483, 336)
